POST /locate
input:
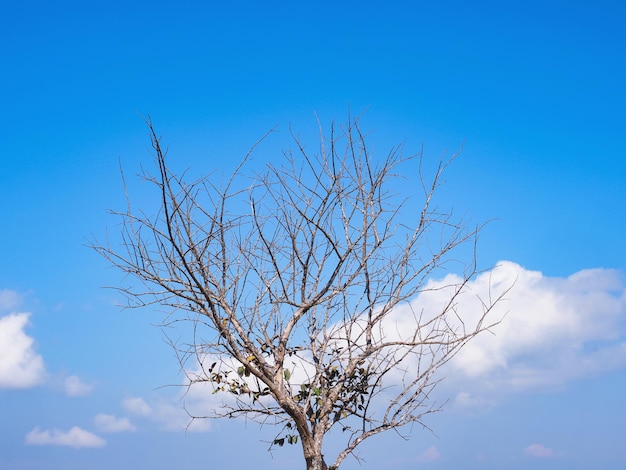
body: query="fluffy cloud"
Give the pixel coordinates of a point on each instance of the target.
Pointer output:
(553, 329)
(110, 423)
(169, 413)
(75, 437)
(74, 387)
(137, 406)
(20, 365)
(539, 451)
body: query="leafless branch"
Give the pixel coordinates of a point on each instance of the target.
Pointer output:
(293, 281)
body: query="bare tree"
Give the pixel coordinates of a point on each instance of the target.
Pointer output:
(294, 280)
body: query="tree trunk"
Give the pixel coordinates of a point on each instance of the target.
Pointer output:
(316, 463)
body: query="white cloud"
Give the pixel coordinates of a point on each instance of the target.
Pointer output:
(110, 423)
(539, 451)
(430, 455)
(467, 400)
(168, 412)
(74, 387)
(555, 329)
(173, 417)
(20, 365)
(137, 406)
(75, 437)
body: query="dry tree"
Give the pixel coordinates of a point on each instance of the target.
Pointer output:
(294, 279)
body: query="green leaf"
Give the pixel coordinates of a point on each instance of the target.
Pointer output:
(287, 374)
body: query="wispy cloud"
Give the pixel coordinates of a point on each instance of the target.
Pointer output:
(110, 423)
(469, 400)
(74, 387)
(168, 412)
(539, 451)
(430, 455)
(20, 365)
(75, 437)
(9, 300)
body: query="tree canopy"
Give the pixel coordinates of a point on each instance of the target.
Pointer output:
(299, 281)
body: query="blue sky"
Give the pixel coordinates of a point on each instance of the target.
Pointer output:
(533, 92)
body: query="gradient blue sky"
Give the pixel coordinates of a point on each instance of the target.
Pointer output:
(533, 91)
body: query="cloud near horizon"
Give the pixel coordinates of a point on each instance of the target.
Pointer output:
(75, 437)
(110, 423)
(553, 330)
(539, 451)
(168, 411)
(74, 387)
(556, 329)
